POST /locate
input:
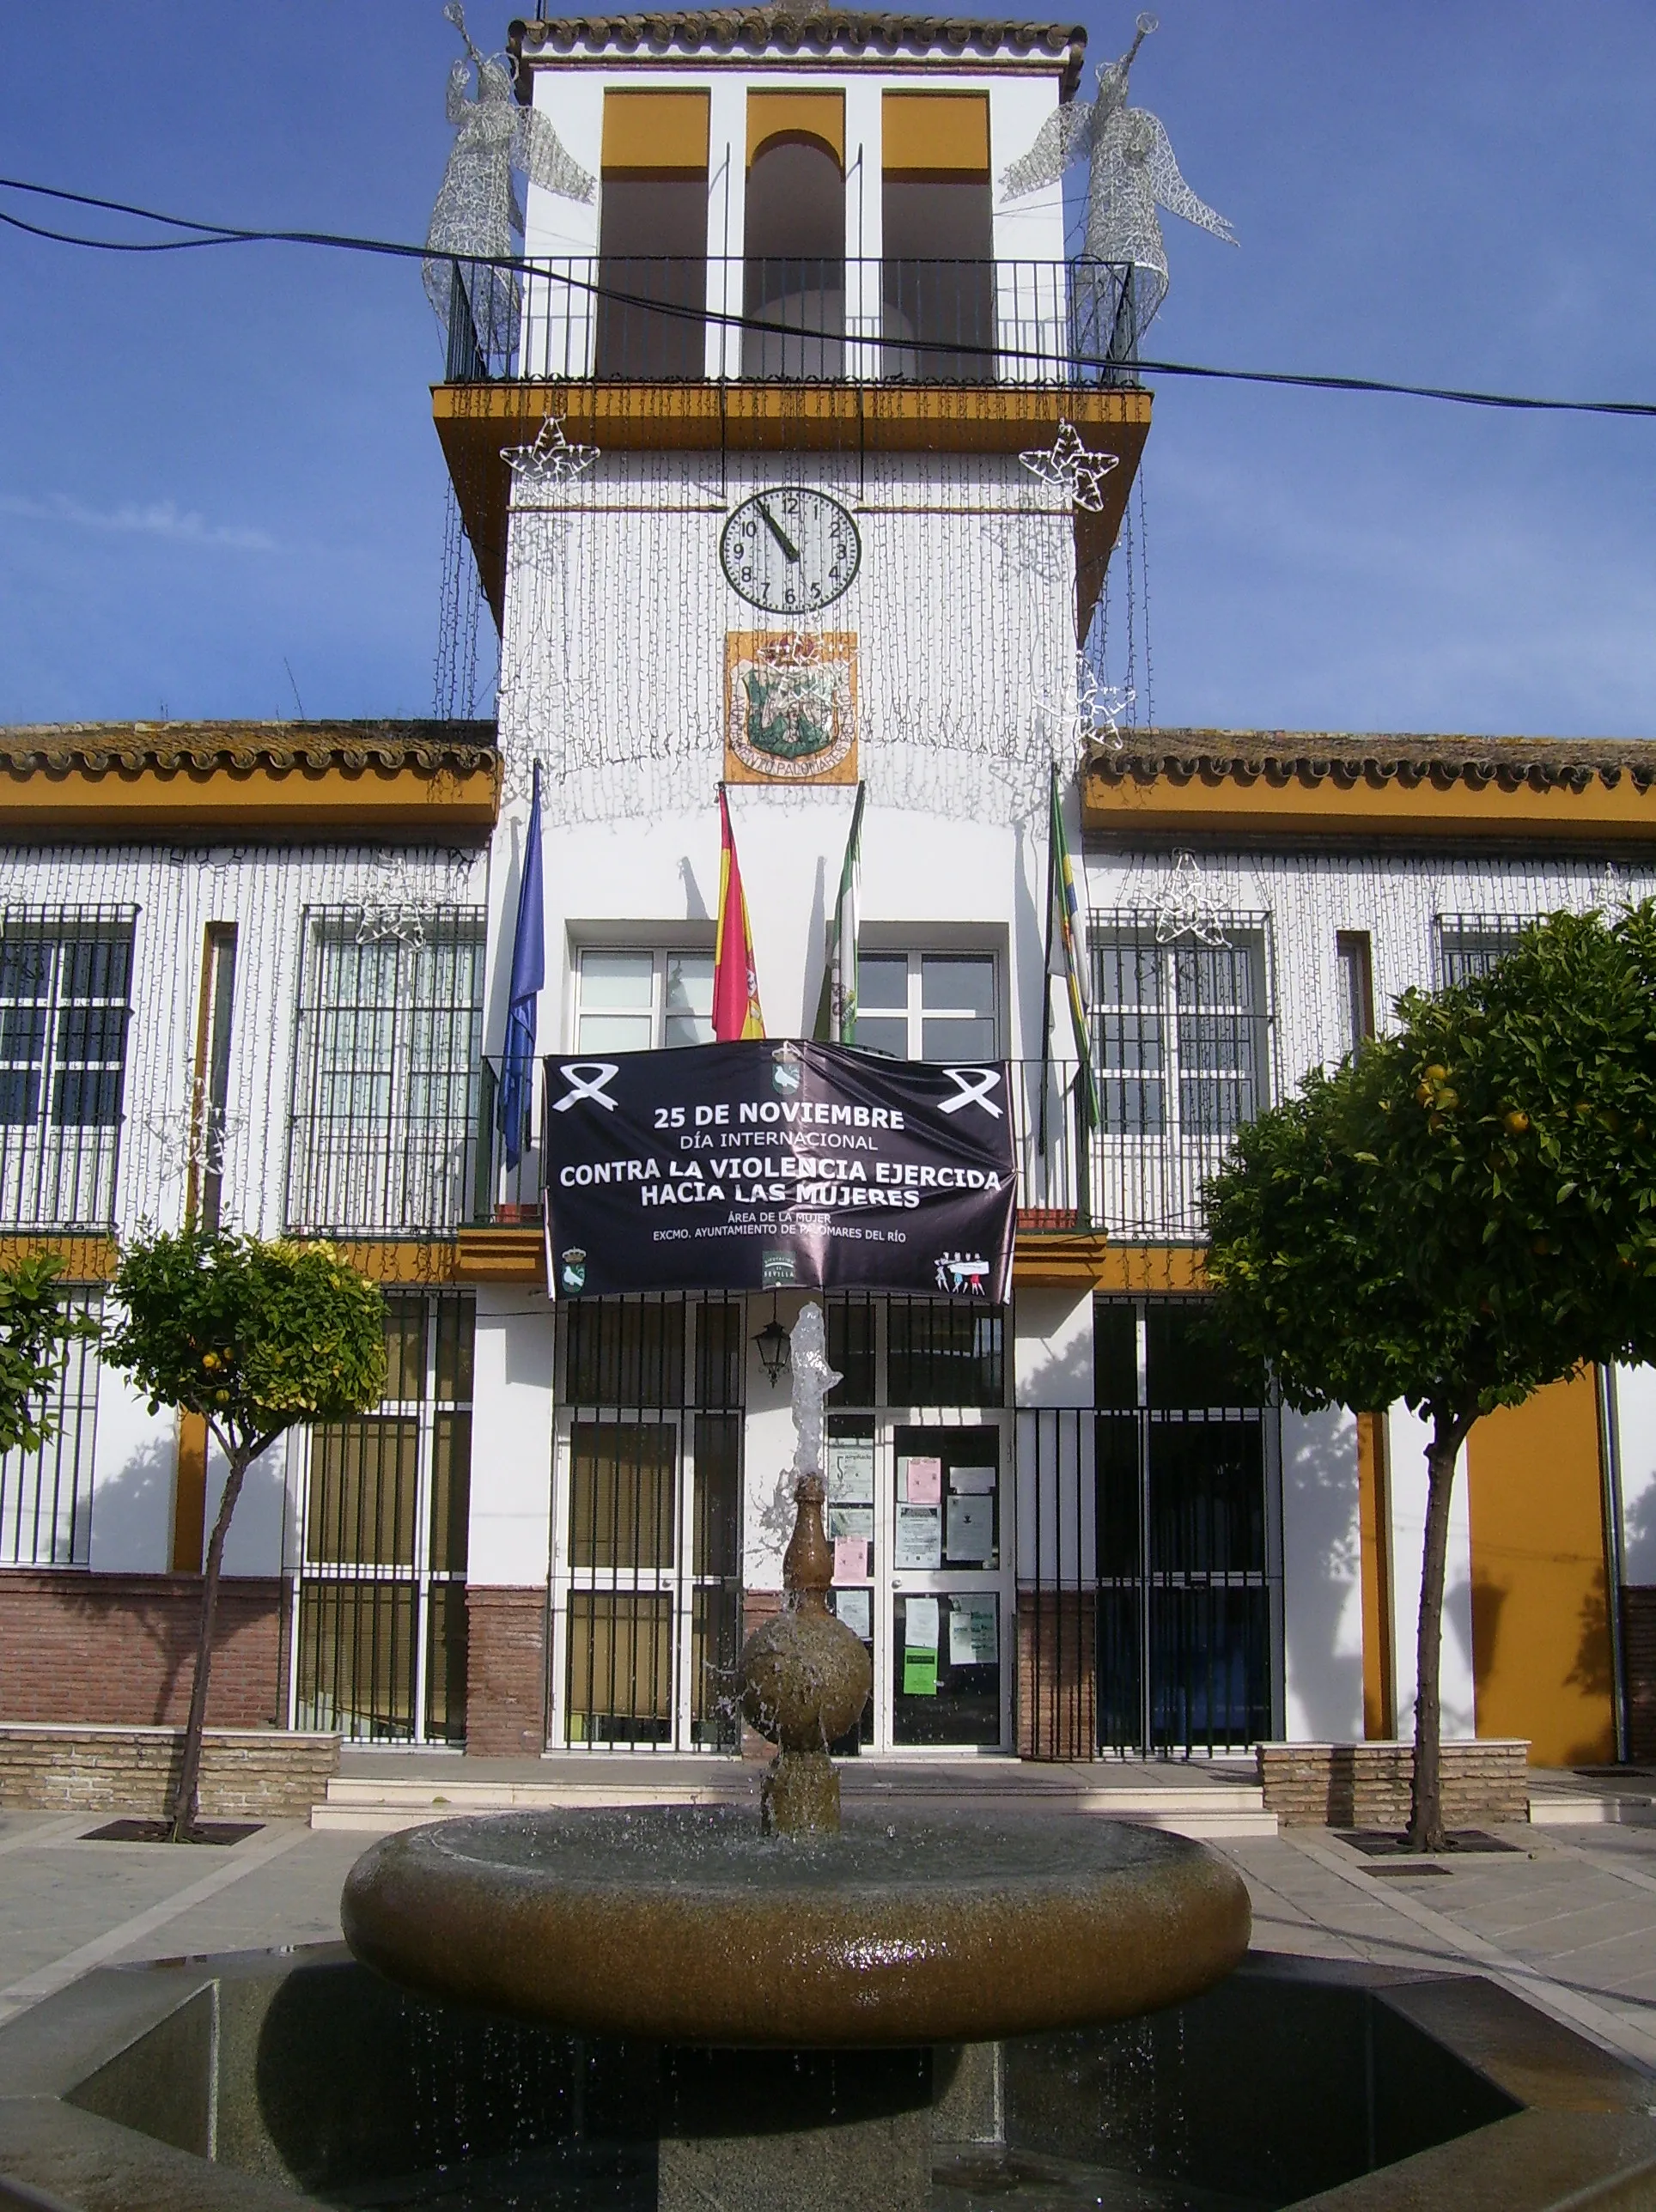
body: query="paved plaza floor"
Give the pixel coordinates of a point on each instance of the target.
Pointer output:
(1568, 1920)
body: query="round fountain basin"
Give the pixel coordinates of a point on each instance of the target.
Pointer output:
(687, 1926)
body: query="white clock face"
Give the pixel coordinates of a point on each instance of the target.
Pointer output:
(790, 550)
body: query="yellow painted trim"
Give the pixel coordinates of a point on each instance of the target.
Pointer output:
(190, 1494)
(400, 1260)
(81, 1259)
(816, 115)
(1293, 803)
(1375, 1546)
(934, 134)
(502, 1256)
(475, 420)
(186, 803)
(1541, 1653)
(1077, 1259)
(655, 134)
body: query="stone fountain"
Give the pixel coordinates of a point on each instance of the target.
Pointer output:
(680, 2009)
(801, 1933)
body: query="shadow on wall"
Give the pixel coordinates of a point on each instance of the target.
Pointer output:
(1639, 1539)
(1323, 1574)
(133, 1512)
(1591, 1671)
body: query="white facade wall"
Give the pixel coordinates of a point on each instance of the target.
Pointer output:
(265, 891)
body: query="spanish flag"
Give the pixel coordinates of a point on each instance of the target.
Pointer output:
(735, 983)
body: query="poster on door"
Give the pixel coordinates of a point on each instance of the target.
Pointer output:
(760, 1166)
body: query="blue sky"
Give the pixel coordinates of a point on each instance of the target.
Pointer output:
(217, 463)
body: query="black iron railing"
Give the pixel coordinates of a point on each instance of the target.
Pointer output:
(673, 319)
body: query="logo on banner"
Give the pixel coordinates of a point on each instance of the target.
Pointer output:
(572, 1269)
(786, 1074)
(963, 1274)
(974, 1085)
(590, 1079)
(779, 1270)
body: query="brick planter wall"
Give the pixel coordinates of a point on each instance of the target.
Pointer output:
(259, 1774)
(119, 1649)
(506, 1672)
(1366, 1785)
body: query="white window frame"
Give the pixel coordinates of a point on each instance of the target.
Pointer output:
(660, 957)
(915, 1013)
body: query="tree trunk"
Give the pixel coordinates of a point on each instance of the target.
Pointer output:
(1426, 1831)
(185, 1802)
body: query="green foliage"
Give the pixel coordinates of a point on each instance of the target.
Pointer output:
(255, 1336)
(35, 1326)
(1467, 1209)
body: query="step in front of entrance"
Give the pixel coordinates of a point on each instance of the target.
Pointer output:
(370, 1806)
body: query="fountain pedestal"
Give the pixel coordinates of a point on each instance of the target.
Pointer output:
(806, 1678)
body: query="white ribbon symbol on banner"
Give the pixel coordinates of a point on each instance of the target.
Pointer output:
(974, 1085)
(588, 1078)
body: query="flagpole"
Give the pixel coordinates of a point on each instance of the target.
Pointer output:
(1046, 962)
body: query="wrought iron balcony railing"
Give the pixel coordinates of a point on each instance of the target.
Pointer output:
(647, 319)
(1139, 1186)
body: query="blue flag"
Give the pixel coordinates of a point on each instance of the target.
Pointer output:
(528, 974)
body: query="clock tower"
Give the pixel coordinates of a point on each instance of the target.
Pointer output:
(794, 466)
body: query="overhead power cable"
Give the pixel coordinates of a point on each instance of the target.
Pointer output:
(204, 233)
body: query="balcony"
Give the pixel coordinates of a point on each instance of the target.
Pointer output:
(644, 319)
(857, 357)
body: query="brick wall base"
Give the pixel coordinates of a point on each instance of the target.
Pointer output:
(1366, 1785)
(259, 1774)
(1057, 1675)
(119, 1649)
(506, 1672)
(1639, 1663)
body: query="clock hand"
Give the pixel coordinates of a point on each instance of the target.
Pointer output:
(778, 533)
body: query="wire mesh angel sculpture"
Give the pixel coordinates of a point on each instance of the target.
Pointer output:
(476, 211)
(1130, 171)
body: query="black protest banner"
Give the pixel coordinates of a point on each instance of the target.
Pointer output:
(758, 1166)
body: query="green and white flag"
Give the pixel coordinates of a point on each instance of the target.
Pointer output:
(1063, 918)
(836, 1021)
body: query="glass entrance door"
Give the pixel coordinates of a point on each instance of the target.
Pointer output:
(922, 1565)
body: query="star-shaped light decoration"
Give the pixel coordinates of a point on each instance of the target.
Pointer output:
(194, 1135)
(393, 906)
(1184, 906)
(550, 464)
(1095, 712)
(1073, 467)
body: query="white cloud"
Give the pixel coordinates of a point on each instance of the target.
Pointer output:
(160, 519)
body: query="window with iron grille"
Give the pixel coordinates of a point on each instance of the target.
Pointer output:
(387, 1086)
(647, 1578)
(1187, 1561)
(1470, 945)
(1181, 1029)
(381, 1648)
(46, 1495)
(65, 980)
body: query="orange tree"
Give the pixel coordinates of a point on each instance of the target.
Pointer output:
(253, 1337)
(1461, 1214)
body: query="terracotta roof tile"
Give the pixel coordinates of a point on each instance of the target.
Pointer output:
(1346, 756)
(824, 31)
(245, 744)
